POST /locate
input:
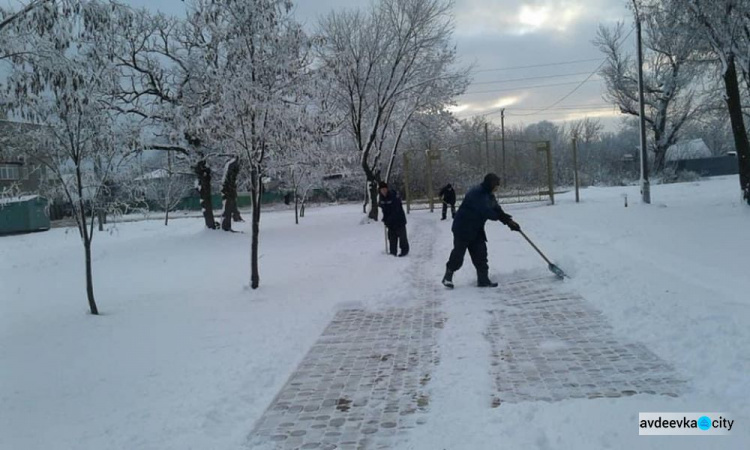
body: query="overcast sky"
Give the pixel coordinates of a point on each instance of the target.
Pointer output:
(498, 37)
(508, 34)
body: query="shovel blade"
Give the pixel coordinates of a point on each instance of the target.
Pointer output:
(557, 271)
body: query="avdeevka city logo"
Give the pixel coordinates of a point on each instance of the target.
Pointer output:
(687, 423)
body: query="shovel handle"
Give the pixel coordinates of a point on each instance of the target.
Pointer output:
(535, 247)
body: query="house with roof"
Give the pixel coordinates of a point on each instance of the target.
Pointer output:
(18, 175)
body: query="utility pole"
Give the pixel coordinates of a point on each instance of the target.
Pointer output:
(495, 167)
(487, 145)
(169, 187)
(575, 167)
(406, 183)
(428, 154)
(645, 187)
(502, 131)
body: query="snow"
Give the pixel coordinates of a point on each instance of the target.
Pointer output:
(185, 355)
(157, 174)
(692, 149)
(19, 199)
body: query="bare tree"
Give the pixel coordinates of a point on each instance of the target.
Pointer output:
(725, 25)
(259, 86)
(670, 98)
(385, 63)
(586, 130)
(80, 145)
(168, 68)
(164, 185)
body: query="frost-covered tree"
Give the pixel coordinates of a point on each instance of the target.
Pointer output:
(65, 89)
(164, 184)
(169, 68)
(725, 26)
(9, 17)
(386, 62)
(669, 74)
(259, 89)
(586, 130)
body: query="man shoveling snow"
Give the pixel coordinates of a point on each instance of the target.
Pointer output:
(479, 206)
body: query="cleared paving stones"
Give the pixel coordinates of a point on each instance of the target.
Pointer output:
(551, 345)
(363, 383)
(363, 380)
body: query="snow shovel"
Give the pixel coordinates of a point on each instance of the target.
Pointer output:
(553, 268)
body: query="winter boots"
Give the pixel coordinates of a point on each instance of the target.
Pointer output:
(483, 280)
(448, 279)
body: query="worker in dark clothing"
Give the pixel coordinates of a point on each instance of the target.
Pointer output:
(478, 206)
(448, 195)
(394, 219)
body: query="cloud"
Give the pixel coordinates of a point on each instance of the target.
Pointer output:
(520, 17)
(467, 108)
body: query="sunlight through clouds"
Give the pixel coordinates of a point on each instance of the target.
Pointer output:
(522, 17)
(533, 16)
(484, 106)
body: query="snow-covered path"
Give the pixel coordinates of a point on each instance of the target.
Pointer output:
(187, 357)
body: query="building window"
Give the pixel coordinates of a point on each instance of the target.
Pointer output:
(9, 172)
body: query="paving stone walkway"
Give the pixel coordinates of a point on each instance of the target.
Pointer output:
(549, 344)
(362, 385)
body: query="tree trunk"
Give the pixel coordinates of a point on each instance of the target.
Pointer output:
(373, 201)
(203, 172)
(89, 275)
(660, 155)
(364, 202)
(100, 219)
(741, 143)
(230, 205)
(257, 192)
(296, 207)
(229, 195)
(167, 199)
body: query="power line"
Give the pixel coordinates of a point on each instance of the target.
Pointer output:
(531, 78)
(564, 111)
(520, 88)
(558, 109)
(562, 63)
(569, 108)
(590, 105)
(561, 99)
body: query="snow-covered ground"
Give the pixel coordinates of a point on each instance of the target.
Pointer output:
(186, 356)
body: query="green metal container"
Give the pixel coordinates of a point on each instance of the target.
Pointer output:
(23, 214)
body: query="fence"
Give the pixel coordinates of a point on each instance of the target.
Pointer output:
(524, 168)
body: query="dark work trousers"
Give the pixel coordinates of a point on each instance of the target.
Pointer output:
(477, 250)
(445, 210)
(397, 237)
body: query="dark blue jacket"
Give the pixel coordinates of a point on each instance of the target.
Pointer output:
(448, 194)
(393, 212)
(478, 206)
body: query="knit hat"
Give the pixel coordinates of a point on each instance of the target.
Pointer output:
(382, 185)
(491, 180)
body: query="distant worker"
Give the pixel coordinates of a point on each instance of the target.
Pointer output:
(448, 195)
(478, 206)
(394, 219)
